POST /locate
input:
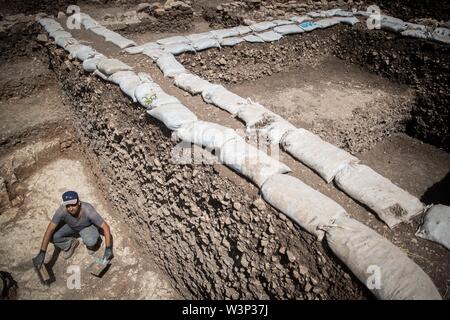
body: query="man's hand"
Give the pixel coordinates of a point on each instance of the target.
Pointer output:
(39, 259)
(108, 254)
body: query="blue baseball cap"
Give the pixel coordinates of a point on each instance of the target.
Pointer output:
(70, 197)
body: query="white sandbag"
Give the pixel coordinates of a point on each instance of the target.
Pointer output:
(348, 20)
(225, 33)
(269, 36)
(250, 162)
(323, 157)
(47, 22)
(90, 65)
(419, 34)
(392, 204)
(128, 82)
(169, 65)
(146, 94)
(51, 28)
(63, 42)
(59, 33)
(436, 225)
(253, 39)
(172, 40)
(230, 42)
(338, 13)
(276, 130)
(441, 35)
(288, 29)
(110, 66)
(252, 113)
(73, 49)
(315, 14)
(161, 99)
(145, 77)
(173, 115)
(100, 30)
(206, 134)
(380, 265)
(243, 30)
(328, 22)
(120, 41)
(119, 76)
(154, 53)
(282, 22)
(199, 36)
(300, 19)
(142, 47)
(261, 26)
(307, 207)
(224, 99)
(203, 44)
(89, 23)
(178, 48)
(191, 83)
(82, 52)
(309, 26)
(415, 26)
(392, 24)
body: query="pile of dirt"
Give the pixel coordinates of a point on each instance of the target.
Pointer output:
(171, 16)
(17, 35)
(215, 238)
(248, 61)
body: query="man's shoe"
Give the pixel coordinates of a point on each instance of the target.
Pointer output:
(68, 253)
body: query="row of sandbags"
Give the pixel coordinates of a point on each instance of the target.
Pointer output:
(392, 204)
(236, 153)
(90, 24)
(356, 245)
(407, 29)
(261, 32)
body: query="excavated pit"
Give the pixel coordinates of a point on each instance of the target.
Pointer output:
(205, 227)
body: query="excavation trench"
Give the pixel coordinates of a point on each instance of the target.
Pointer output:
(382, 113)
(204, 226)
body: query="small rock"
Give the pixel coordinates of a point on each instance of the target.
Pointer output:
(259, 204)
(142, 6)
(61, 15)
(42, 37)
(271, 231)
(222, 62)
(244, 261)
(290, 256)
(237, 206)
(303, 270)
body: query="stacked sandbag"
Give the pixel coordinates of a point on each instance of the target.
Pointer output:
(252, 163)
(323, 157)
(392, 204)
(380, 265)
(309, 208)
(436, 225)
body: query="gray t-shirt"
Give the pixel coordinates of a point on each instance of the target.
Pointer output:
(88, 216)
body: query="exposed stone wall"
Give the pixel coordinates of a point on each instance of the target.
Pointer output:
(213, 237)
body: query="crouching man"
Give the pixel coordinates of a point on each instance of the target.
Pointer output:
(72, 219)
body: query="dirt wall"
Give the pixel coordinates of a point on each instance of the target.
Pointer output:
(210, 235)
(423, 65)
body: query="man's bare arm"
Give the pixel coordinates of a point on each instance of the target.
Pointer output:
(48, 235)
(107, 234)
